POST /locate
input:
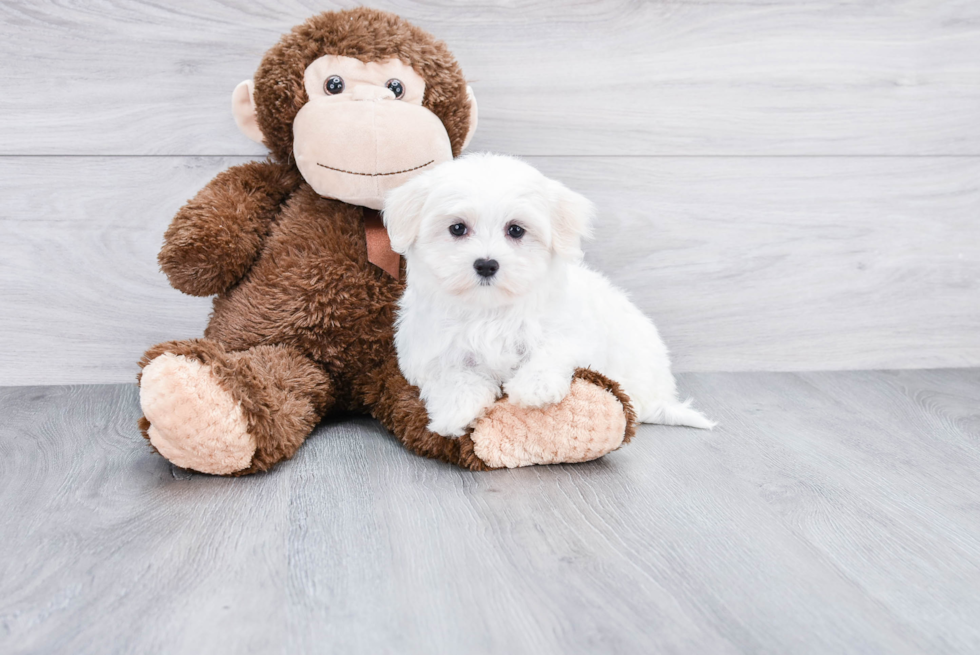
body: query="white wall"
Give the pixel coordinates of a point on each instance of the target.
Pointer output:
(782, 186)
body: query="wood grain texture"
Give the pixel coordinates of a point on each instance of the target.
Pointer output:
(80, 288)
(744, 264)
(794, 263)
(579, 77)
(747, 262)
(829, 512)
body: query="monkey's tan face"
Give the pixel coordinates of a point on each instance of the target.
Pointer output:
(364, 130)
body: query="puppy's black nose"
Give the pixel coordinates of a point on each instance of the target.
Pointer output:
(486, 267)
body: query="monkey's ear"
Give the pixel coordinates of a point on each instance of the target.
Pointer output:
(571, 222)
(243, 108)
(473, 116)
(403, 212)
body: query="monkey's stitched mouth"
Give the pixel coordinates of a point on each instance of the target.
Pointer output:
(407, 170)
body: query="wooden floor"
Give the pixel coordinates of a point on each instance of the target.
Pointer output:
(828, 513)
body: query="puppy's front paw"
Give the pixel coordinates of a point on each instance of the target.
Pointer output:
(451, 415)
(448, 426)
(537, 388)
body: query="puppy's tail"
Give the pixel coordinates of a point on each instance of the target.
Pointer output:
(678, 413)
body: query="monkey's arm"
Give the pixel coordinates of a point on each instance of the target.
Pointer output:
(215, 237)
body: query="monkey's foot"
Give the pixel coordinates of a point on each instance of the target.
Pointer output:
(594, 419)
(192, 420)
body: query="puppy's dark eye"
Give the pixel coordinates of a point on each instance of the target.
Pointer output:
(457, 230)
(396, 87)
(515, 231)
(333, 85)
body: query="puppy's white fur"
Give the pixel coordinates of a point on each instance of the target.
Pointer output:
(460, 337)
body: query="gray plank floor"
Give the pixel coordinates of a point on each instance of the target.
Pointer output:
(828, 513)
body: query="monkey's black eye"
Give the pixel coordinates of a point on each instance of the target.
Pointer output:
(333, 85)
(396, 88)
(515, 231)
(457, 230)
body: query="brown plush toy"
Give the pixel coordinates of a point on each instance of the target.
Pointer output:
(350, 105)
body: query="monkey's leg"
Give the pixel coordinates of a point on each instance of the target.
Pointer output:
(594, 419)
(228, 413)
(397, 405)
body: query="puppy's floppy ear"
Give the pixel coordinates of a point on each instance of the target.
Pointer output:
(571, 221)
(403, 212)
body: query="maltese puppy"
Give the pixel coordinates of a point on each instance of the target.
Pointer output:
(498, 300)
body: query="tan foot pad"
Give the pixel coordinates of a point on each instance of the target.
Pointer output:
(194, 422)
(586, 425)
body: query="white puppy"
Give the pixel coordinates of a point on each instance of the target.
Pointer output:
(497, 297)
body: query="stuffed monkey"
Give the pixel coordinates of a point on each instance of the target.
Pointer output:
(350, 104)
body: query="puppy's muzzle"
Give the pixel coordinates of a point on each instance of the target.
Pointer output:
(486, 267)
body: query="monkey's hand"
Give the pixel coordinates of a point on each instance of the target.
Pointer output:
(214, 238)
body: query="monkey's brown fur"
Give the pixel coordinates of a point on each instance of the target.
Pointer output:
(302, 322)
(368, 35)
